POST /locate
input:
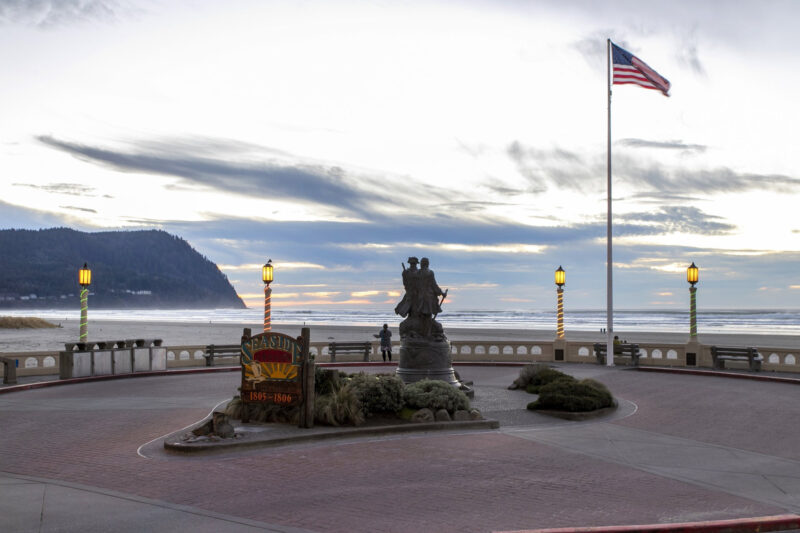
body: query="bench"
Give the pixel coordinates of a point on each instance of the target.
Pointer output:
(720, 354)
(622, 350)
(345, 348)
(214, 351)
(9, 370)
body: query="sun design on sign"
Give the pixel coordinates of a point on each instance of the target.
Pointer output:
(279, 370)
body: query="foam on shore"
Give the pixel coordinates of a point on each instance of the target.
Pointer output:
(194, 333)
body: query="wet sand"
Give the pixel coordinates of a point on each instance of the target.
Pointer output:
(195, 333)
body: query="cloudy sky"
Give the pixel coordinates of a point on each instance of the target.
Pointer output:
(340, 137)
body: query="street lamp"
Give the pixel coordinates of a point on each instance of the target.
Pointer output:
(692, 276)
(266, 277)
(84, 280)
(561, 278)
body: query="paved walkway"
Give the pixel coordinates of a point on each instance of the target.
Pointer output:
(88, 457)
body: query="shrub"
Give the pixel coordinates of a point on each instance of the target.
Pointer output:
(326, 380)
(435, 395)
(573, 396)
(544, 376)
(340, 407)
(378, 393)
(526, 374)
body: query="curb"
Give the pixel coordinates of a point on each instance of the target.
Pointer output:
(739, 525)
(219, 447)
(203, 370)
(87, 379)
(719, 374)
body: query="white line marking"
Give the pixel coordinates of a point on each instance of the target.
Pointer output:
(139, 449)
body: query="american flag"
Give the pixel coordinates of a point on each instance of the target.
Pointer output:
(630, 69)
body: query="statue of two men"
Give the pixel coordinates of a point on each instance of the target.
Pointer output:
(421, 302)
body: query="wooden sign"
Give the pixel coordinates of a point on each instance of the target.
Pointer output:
(272, 369)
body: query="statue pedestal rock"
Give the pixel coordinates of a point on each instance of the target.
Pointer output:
(424, 350)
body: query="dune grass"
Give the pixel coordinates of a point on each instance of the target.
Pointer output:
(25, 322)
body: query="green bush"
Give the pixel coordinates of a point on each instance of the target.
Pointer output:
(544, 376)
(326, 380)
(340, 407)
(526, 374)
(573, 396)
(378, 393)
(435, 395)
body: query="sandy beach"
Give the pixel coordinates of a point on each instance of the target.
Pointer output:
(195, 333)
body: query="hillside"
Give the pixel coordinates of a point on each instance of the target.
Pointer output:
(130, 269)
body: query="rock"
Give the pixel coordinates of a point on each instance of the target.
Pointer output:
(474, 414)
(461, 415)
(205, 429)
(423, 415)
(442, 416)
(222, 425)
(225, 431)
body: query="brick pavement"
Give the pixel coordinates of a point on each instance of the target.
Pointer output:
(490, 480)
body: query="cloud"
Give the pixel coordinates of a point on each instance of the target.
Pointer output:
(567, 169)
(16, 217)
(541, 167)
(667, 145)
(84, 209)
(687, 52)
(71, 189)
(660, 178)
(325, 185)
(51, 13)
(362, 294)
(503, 248)
(680, 219)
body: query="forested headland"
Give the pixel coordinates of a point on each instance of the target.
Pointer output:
(130, 269)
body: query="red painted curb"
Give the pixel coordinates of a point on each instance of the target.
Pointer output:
(739, 525)
(70, 381)
(719, 374)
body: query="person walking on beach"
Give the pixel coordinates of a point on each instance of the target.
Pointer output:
(385, 335)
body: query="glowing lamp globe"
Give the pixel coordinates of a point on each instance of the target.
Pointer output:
(561, 277)
(692, 274)
(266, 272)
(84, 276)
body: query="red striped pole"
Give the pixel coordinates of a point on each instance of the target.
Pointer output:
(267, 308)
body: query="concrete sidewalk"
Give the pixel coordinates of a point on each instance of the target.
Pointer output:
(31, 504)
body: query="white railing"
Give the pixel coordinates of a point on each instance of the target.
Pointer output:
(651, 354)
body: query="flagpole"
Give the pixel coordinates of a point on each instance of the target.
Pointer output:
(609, 261)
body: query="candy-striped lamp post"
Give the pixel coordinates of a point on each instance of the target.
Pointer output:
(84, 279)
(561, 278)
(266, 277)
(692, 276)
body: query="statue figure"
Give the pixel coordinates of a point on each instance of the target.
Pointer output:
(420, 304)
(424, 349)
(429, 291)
(410, 284)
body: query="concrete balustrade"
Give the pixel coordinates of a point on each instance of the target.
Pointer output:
(104, 358)
(121, 357)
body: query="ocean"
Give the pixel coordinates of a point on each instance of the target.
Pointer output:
(781, 322)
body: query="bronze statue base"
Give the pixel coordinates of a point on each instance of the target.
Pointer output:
(422, 358)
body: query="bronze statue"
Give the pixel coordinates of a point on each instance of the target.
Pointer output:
(425, 352)
(420, 304)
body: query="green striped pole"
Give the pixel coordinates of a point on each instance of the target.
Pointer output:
(692, 313)
(84, 313)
